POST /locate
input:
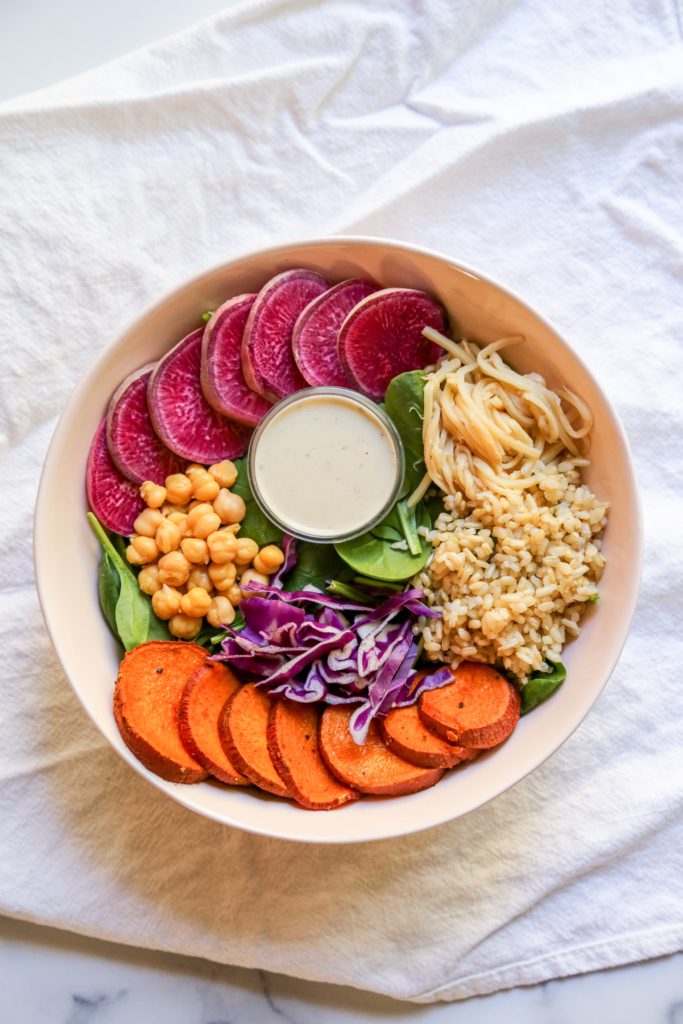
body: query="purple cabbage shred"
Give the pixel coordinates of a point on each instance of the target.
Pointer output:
(308, 646)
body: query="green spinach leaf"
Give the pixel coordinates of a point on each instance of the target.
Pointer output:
(108, 589)
(404, 404)
(408, 521)
(133, 620)
(255, 523)
(367, 581)
(540, 686)
(389, 533)
(370, 555)
(342, 589)
(316, 564)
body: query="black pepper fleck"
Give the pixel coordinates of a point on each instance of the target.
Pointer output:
(160, 670)
(461, 705)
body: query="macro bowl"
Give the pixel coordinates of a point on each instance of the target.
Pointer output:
(65, 548)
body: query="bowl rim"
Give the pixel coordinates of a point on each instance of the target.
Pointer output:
(404, 826)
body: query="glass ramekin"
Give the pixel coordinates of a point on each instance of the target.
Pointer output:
(373, 409)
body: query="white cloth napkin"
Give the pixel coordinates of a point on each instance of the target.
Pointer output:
(540, 142)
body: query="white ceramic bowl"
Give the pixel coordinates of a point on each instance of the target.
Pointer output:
(65, 549)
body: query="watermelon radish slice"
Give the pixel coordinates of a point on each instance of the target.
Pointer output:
(382, 336)
(133, 445)
(314, 340)
(181, 415)
(267, 357)
(114, 499)
(223, 383)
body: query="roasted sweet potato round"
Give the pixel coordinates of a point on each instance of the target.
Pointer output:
(406, 734)
(202, 701)
(293, 746)
(147, 695)
(479, 709)
(369, 767)
(243, 732)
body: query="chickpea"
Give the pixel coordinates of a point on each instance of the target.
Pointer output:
(168, 537)
(179, 519)
(196, 512)
(223, 575)
(148, 522)
(195, 551)
(234, 594)
(251, 576)
(169, 509)
(146, 548)
(166, 602)
(205, 525)
(134, 557)
(221, 612)
(194, 467)
(174, 569)
(269, 559)
(230, 507)
(224, 473)
(199, 577)
(178, 488)
(184, 627)
(195, 603)
(222, 546)
(148, 579)
(247, 549)
(153, 495)
(204, 487)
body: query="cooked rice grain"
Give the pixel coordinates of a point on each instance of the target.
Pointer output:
(512, 575)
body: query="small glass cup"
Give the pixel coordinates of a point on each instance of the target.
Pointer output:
(375, 411)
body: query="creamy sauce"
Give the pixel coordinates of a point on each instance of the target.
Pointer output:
(325, 466)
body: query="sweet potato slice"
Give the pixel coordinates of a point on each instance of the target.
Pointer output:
(370, 767)
(405, 733)
(147, 695)
(293, 746)
(201, 704)
(242, 728)
(479, 709)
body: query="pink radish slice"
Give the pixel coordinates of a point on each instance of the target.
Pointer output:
(314, 340)
(223, 383)
(382, 336)
(267, 357)
(133, 445)
(114, 499)
(181, 415)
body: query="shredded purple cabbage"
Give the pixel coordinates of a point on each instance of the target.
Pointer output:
(289, 551)
(332, 650)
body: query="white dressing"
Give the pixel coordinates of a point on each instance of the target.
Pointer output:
(325, 465)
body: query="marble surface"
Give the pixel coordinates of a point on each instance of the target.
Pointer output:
(52, 976)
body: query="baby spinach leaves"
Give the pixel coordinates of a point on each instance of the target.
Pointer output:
(404, 404)
(372, 555)
(315, 565)
(108, 589)
(255, 523)
(541, 685)
(127, 610)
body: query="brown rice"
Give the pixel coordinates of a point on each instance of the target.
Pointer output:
(512, 573)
